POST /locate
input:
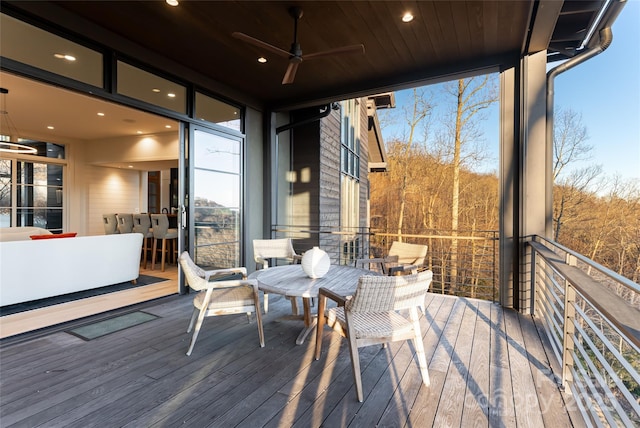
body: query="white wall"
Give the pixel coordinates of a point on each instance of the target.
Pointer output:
(110, 190)
(95, 190)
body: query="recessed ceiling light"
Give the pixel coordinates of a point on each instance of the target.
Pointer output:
(168, 126)
(172, 2)
(100, 114)
(50, 127)
(138, 132)
(130, 166)
(171, 95)
(262, 60)
(155, 90)
(407, 17)
(65, 56)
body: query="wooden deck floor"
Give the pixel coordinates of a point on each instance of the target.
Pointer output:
(488, 367)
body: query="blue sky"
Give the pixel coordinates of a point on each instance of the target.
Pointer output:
(605, 90)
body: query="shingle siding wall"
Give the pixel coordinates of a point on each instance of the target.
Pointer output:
(330, 170)
(316, 201)
(364, 163)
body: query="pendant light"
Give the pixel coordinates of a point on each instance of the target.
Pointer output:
(9, 132)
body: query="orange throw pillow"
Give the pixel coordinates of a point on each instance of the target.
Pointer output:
(59, 235)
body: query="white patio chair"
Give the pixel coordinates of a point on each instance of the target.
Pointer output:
(403, 258)
(266, 249)
(222, 297)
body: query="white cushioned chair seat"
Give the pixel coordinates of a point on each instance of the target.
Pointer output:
(223, 298)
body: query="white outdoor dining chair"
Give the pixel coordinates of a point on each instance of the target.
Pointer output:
(271, 249)
(403, 258)
(371, 316)
(223, 297)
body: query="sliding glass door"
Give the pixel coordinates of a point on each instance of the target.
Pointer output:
(214, 198)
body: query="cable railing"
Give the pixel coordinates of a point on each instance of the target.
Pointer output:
(592, 319)
(464, 263)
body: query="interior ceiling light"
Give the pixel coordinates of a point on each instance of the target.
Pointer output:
(50, 127)
(172, 2)
(262, 60)
(407, 17)
(156, 90)
(101, 114)
(65, 56)
(9, 130)
(171, 95)
(168, 126)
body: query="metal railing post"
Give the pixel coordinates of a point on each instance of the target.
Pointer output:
(568, 328)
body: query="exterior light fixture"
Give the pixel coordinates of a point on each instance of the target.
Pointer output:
(9, 131)
(407, 17)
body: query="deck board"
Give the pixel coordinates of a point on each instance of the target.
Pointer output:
(482, 359)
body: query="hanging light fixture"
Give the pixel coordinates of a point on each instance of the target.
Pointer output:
(9, 131)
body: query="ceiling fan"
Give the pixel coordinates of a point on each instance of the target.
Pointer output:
(295, 53)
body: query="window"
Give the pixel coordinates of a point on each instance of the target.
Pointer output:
(350, 179)
(31, 194)
(215, 111)
(144, 86)
(49, 52)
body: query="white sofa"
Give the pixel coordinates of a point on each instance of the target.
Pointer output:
(32, 270)
(20, 233)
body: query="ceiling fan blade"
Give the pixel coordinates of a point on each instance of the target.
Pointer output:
(290, 74)
(337, 51)
(259, 43)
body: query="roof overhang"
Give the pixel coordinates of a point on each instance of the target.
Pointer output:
(377, 151)
(194, 42)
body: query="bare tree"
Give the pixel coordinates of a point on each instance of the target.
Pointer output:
(571, 185)
(415, 116)
(569, 140)
(473, 96)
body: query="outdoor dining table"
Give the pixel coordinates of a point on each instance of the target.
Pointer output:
(292, 281)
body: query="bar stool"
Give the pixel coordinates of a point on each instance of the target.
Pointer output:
(161, 231)
(125, 223)
(110, 223)
(142, 224)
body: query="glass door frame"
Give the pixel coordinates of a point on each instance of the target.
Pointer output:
(186, 184)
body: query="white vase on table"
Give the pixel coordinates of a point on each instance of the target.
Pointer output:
(315, 263)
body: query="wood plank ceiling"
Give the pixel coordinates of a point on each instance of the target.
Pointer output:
(445, 38)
